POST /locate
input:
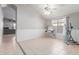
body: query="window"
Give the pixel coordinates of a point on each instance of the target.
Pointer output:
(58, 25)
(54, 22)
(61, 22)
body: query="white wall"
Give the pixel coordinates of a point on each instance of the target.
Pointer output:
(1, 23)
(29, 23)
(74, 18)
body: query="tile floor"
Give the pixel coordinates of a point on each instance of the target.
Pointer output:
(8, 46)
(48, 46)
(41, 46)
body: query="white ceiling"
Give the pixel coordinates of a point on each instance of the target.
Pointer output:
(58, 9)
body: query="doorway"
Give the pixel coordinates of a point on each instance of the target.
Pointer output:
(9, 22)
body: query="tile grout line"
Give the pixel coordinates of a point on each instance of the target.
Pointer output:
(21, 49)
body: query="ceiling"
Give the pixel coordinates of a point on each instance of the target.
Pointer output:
(57, 10)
